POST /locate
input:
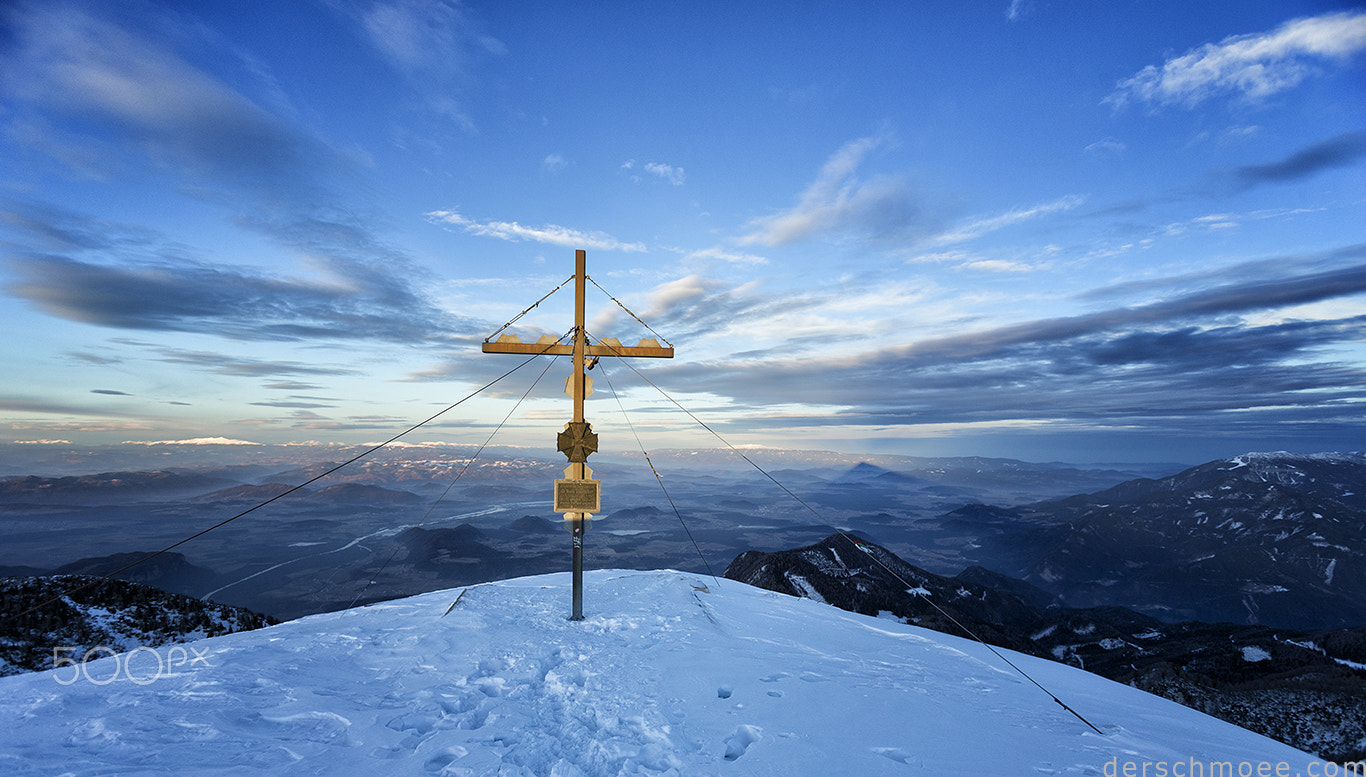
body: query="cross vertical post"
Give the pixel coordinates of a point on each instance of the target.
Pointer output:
(578, 496)
(578, 522)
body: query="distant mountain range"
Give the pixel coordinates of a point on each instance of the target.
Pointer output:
(1270, 538)
(1307, 689)
(108, 486)
(1274, 539)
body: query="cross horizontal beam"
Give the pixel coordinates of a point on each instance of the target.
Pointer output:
(649, 348)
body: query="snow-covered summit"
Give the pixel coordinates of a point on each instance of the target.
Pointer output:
(671, 673)
(1269, 465)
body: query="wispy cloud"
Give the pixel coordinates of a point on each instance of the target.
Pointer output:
(432, 43)
(13, 404)
(670, 299)
(293, 404)
(1192, 356)
(1250, 66)
(965, 260)
(132, 279)
(1106, 147)
(840, 205)
(998, 266)
(307, 419)
(135, 98)
(155, 106)
(1339, 151)
(673, 175)
(551, 234)
(680, 298)
(1018, 8)
(1233, 298)
(983, 225)
(725, 255)
(236, 366)
(665, 172)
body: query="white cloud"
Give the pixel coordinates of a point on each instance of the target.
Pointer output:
(838, 203)
(74, 62)
(554, 163)
(997, 266)
(955, 256)
(668, 296)
(1106, 147)
(551, 234)
(432, 43)
(1018, 8)
(424, 38)
(716, 252)
(673, 175)
(1216, 221)
(1253, 66)
(982, 226)
(1239, 132)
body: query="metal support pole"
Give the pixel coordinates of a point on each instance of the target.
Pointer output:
(578, 527)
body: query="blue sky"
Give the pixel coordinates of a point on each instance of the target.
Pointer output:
(1047, 230)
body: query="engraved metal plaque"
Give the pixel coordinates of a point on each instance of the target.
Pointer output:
(578, 496)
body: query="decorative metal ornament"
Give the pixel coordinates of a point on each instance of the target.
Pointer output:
(577, 441)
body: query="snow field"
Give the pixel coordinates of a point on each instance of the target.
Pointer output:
(670, 674)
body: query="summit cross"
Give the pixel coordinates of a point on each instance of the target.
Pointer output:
(578, 496)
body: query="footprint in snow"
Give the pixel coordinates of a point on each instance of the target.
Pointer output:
(894, 753)
(739, 742)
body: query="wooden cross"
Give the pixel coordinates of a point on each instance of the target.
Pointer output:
(578, 496)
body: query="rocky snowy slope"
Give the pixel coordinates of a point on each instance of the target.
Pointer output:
(69, 617)
(671, 673)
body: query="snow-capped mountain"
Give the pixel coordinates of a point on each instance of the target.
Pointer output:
(1271, 538)
(670, 674)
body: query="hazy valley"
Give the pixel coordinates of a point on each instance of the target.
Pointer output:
(385, 518)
